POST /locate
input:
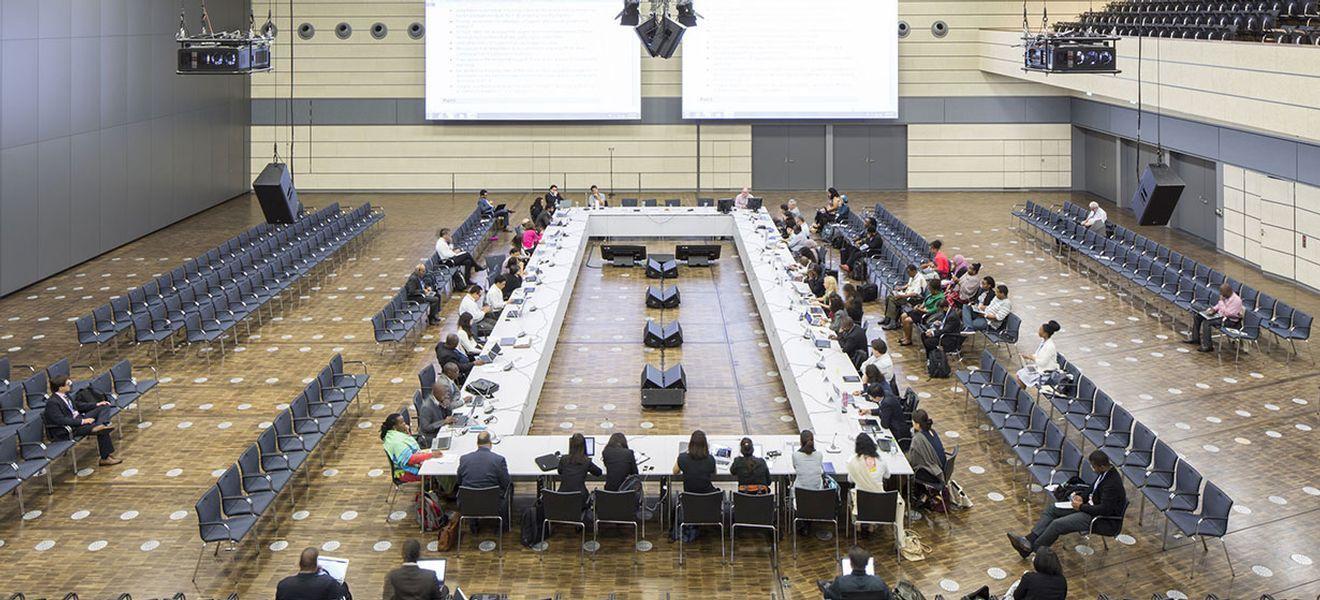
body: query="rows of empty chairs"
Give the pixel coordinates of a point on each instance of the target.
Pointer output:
(231, 507)
(1279, 21)
(400, 318)
(206, 298)
(1169, 483)
(1142, 264)
(26, 451)
(903, 246)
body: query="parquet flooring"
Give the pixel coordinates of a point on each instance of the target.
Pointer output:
(1248, 427)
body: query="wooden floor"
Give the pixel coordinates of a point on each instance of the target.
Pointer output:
(130, 528)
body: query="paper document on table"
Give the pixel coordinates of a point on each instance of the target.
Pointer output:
(443, 460)
(335, 567)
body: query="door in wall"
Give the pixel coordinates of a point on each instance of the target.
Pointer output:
(1195, 212)
(1131, 166)
(1276, 226)
(870, 157)
(1101, 152)
(788, 157)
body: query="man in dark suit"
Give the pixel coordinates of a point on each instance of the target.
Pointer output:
(416, 290)
(67, 418)
(547, 216)
(311, 583)
(434, 412)
(852, 340)
(856, 584)
(484, 468)
(448, 352)
(947, 333)
(1107, 498)
(410, 582)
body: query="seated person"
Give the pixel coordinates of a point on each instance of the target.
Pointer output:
(1106, 499)
(697, 467)
(740, 201)
(620, 462)
(447, 351)
(536, 209)
(543, 220)
(513, 276)
(988, 316)
(900, 298)
(444, 248)
(938, 267)
(856, 584)
(752, 472)
(67, 418)
(1045, 581)
(1038, 366)
(575, 466)
(406, 456)
(410, 582)
(830, 213)
(933, 304)
(435, 411)
(797, 239)
(880, 358)
(467, 339)
(808, 464)
(967, 286)
(495, 298)
(852, 340)
(452, 380)
(927, 456)
(311, 582)
(483, 321)
(490, 211)
(531, 236)
(945, 332)
(1096, 218)
(552, 197)
(595, 199)
(1229, 308)
(416, 290)
(483, 468)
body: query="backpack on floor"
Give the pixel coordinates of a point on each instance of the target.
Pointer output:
(937, 363)
(870, 292)
(532, 531)
(428, 511)
(904, 590)
(447, 538)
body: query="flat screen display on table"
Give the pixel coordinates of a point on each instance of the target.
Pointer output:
(788, 59)
(530, 60)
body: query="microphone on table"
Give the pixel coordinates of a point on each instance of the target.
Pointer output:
(833, 449)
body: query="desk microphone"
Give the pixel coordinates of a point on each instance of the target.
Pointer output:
(834, 448)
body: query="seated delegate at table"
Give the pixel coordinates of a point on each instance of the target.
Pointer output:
(1044, 582)
(482, 468)
(880, 358)
(1045, 360)
(808, 463)
(1106, 498)
(1229, 309)
(311, 582)
(552, 197)
(467, 338)
(856, 584)
(740, 201)
(536, 208)
(752, 472)
(620, 462)
(435, 411)
(451, 379)
(852, 340)
(447, 351)
(546, 217)
(495, 296)
(595, 199)
(575, 466)
(482, 319)
(406, 456)
(697, 467)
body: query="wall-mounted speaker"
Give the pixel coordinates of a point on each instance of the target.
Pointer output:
(416, 31)
(344, 31)
(379, 31)
(306, 31)
(939, 29)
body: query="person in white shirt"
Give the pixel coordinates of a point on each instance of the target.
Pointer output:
(988, 316)
(913, 291)
(793, 209)
(444, 248)
(471, 305)
(467, 338)
(1096, 217)
(595, 199)
(797, 240)
(495, 295)
(740, 200)
(1043, 361)
(880, 358)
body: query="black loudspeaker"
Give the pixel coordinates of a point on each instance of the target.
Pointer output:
(1157, 195)
(663, 389)
(656, 335)
(657, 269)
(662, 298)
(274, 188)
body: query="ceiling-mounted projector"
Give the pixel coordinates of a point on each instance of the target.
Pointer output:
(659, 33)
(225, 53)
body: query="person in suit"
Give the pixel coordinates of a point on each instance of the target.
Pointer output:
(416, 290)
(857, 584)
(620, 462)
(449, 352)
(490, 211)
(311, 582)
(852, 340)
(1107, 498)
(945, 333)
(546, 217)
(1045, 581)
(890, 410)
(452, 380)
(575, 466)
(67, 418)
(435, 411)
(484, 468)
(410, 582)
(552, 197)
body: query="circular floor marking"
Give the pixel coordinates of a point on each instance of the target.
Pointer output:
(381, 546)
(300, 515)
(647, 425)
(1215, 420)
(330, 546)
(330, 472)
(608, 407)
(149, 545)
(1241, 509)
(995, 496)
(217, 472)
(948, 585)
(1125, 539)
(278, 546)
(1311, 490)
(44, 545)
(1280, 500)
(976, 469)
(398, 515)
(1302, 427)
(996, 573)
(97, 546)
(80, 515)
(178, 514)
(1175, 595)
(1145, 396)
(1272, 433)
(1242, 413)
(272, 380)
(1210, 448)
(1274, 407)
(786, 418)
(566, 425)
(348, 515)
(1255, 375)
(912, 378)
(1084, 550)
(1242, 440)
(223, 425)
(375, 472)
(128, 515)
(86, 471)
(1229, 380)
(175, 472)
(364, 425)
(952, 434)
(1175, 391)
(1262, 571)
(432, 546)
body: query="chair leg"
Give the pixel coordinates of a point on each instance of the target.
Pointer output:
(458, 548)
(198, 566)
(1228, 558)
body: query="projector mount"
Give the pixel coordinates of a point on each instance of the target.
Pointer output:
(209, 52)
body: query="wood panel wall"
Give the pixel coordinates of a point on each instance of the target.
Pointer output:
(969, 156)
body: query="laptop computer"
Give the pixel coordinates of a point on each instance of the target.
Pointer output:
(494, 352)
(591, 446)
(436, 565)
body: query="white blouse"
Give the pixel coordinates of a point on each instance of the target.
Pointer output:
(1047, 358)
(467, 344)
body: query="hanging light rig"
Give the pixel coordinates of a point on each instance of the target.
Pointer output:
(1066, 51)
(222, 53)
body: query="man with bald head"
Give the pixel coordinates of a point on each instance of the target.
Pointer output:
(741, 199)
(311, 583)
(416, 290)
(484, 468)
(448, 351)
(435, 411)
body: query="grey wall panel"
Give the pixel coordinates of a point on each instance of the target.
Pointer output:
(1308, 164)
(84, 86)
(368, 111)
(114, 17)
(53, 169)
(114, 186)
(1258, 152)
(1092, 115)
(1195, 211)
(921, 110)
(54, 19)
(114, 79)
(1195, 138)
(157, 167)
(18, 213)
(162, 81)
(19, 19)
(1078, 154)
(85, 19)
(18, 84)
(138, 16)
(139, 76)
(85, 195)
(53, 88)
(137, 193)
(982, 110)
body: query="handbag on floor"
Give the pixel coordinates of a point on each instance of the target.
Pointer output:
(913, 548)
(959, 497)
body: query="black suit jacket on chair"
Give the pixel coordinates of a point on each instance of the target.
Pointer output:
(445, 354)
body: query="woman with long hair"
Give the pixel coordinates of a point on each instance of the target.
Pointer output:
(808, 463)
(467, 338)
(696, 465)
(620, 462)
(575, 466)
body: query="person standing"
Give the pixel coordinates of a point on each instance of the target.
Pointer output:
(67, 419)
